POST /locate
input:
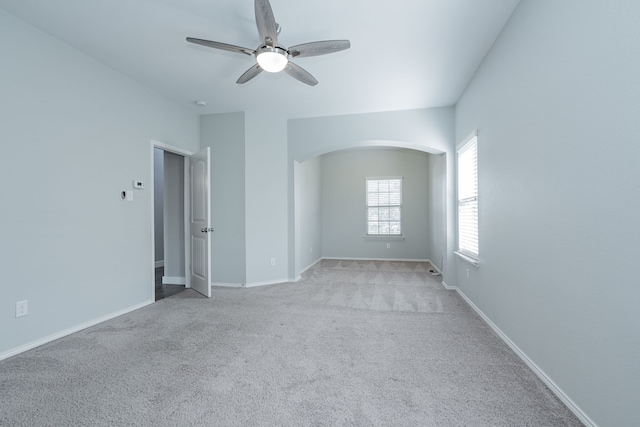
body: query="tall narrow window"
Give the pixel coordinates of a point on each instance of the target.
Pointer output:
(468, 199)
(384, 206)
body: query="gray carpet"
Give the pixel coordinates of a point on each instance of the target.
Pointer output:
(352, 344)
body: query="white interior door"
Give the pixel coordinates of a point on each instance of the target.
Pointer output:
(200, 222)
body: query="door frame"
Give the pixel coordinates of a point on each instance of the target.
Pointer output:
(187, 202)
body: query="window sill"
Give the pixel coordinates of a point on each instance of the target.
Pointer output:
(469, 259)
(383, 237)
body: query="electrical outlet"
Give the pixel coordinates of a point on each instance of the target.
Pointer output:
(310, 249)
(273, 261)
(388, 245)
(467, 274)
(22, 308)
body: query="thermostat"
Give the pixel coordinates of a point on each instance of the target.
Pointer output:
(138, 184)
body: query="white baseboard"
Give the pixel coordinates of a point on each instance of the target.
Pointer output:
(77, 328)
(227, 285)
(377, 259)
(447, 287)
(270, 282)
(308, 267)
(159, 263)
(573, 407)
(435, 267)
(168, 280)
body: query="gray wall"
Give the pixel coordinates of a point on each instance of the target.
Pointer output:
(158, 203)
(266, 198)
(70, 154)
(343, 203)
(174, 220)
(249, 170)
(225, 134)
(556, 106)
(309, 200)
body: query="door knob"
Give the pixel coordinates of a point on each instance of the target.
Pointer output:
(207, 230)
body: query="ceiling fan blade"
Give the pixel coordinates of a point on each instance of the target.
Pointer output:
(266, 23)
(299, 73)
(249, 74)
(221, 46)
(319, 48)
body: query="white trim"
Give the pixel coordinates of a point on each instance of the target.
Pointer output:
(368, 236)
(308, 267)
(377, 259)
(171, 148)
(468, 258)
(169, 280)
(77, 328)
(269, 282)
(383, 237)
(573, 407)
(469, 201)
(152, 248)
(227, 285)
(159, 264)
(435, 267)
(185, 153)
(187, 225)
(384, 177)
(447, 287)
(473, 134)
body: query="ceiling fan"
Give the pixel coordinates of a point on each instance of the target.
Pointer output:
(272, 57)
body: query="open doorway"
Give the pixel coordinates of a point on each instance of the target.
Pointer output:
(169, 220)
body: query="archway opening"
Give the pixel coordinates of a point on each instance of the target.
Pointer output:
(329, 214)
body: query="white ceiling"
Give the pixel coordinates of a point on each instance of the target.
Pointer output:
(404, 54)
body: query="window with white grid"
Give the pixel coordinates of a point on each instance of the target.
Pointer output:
(468, 199)
(384, 206)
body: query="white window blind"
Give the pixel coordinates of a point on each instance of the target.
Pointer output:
(468, 198)
(384, 206)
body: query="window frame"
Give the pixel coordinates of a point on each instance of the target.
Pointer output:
(470, 204)
(367, 207)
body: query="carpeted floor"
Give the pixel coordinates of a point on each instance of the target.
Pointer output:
(354, 343)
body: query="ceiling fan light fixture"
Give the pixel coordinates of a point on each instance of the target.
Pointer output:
(272, 59)
(270, 56)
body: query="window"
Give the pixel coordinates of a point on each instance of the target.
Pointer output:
(384, 206)
(468, 200)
